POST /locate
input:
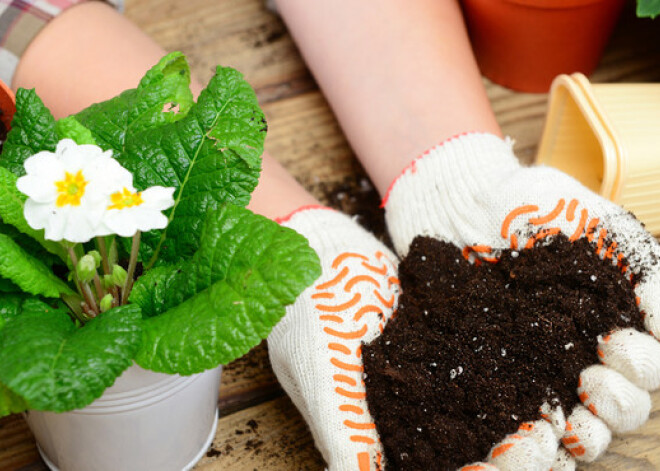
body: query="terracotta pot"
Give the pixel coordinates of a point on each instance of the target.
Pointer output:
(524, 44)
(7, 104)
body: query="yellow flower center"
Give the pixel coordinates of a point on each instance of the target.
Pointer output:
(71, 189)
(125, 199)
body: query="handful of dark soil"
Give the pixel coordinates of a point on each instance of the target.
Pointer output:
(475, 351)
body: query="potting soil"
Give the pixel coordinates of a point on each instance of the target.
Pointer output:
(474, 351)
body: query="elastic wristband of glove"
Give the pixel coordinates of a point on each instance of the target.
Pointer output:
(331, 232)
(438, 187)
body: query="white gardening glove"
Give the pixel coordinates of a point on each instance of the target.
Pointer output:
(316, 349)
(472, 192)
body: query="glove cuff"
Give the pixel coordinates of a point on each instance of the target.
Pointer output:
(331, 232)
(438, 189)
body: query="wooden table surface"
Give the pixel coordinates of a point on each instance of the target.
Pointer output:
(305, 137)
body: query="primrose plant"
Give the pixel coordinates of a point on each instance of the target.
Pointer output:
(148, 183)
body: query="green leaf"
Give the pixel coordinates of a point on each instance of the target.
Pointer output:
(30, 274)
(11, 403)
(32, 131)
(212, 157)
(163, 96)
(150, 289)
(56, 366)
(227, 298)
(14, 304)
(11, 212)
(648, 8)
(70, 128)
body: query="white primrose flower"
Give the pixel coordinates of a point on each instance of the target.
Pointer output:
(68, 190)
(130, 211)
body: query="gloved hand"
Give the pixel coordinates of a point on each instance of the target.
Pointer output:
(315, 350)
(472, 192)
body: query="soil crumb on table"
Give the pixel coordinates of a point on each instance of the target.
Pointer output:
(475, 351)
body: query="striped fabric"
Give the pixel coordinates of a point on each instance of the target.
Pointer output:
(21, 21)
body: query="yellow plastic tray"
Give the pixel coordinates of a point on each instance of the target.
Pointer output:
(608, 137)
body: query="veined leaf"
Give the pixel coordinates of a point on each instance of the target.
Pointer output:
(227, 298)
(56, 366)
(11, 306)
(648, 8)
(162, 96)
(32, 130)
(70, 128)
(212, 157)
(11, 212)
(30, 274)
(150, 290)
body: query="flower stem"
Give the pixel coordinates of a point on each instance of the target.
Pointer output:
(132, 262)
(89, 297)
(100, 244)
(100, 292)
(84, 287)
(73, 302)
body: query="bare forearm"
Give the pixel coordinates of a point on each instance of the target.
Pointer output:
(400, 76)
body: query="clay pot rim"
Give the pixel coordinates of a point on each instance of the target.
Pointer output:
(554, 4)
(4, 88)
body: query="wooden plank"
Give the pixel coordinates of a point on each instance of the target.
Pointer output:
(17, 446)
(237, 33)
(248, 381)
(271, 436)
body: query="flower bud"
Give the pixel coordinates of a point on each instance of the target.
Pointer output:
(107, 282)
(86, 268)
(106, 302)
(118, 275)
(97, 257)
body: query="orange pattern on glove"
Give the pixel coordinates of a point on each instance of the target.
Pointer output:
(348, 378)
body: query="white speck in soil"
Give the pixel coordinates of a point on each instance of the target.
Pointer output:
(569, 345)
(485, 309)
(514, 416)
(460, 370)
(423, 258)
(433, 364)
(514, 254)
(593, 277)
(452, 374)
(419, 429)
(504, 352)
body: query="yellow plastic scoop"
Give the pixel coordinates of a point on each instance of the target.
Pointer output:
(608, 137)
